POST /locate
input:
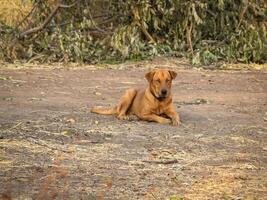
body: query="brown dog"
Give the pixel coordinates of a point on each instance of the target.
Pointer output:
(153, 103)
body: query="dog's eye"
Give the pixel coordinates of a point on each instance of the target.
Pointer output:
(157, 81)
(167, 81)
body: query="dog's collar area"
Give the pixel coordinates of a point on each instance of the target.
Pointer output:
(158, 98)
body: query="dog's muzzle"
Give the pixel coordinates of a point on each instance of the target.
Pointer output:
(163, 92)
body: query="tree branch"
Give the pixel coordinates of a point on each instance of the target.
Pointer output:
(46, 22)
(24, 19)
(189, 38)
(241, 16)
(94, 24)
(141, 26)
(146, 33)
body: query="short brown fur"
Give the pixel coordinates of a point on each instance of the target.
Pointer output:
(153, 103)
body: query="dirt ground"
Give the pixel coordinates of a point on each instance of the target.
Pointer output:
(52, 147)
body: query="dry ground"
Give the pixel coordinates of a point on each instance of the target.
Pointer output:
(52, 147)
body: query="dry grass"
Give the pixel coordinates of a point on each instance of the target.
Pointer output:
(241, 66)
(223, 183)
(11, 12)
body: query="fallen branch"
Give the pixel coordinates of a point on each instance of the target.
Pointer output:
(46, 22)
(67, 6)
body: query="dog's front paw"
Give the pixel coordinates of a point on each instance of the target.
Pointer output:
(166, 121)
(123, 117)
(176, 122)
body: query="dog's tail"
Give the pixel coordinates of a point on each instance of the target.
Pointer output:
(104, 111)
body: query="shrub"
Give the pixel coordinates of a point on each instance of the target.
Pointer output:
(205, 31)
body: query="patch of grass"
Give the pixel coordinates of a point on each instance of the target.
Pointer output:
(3, 78)
(242, 66)
(176, 198)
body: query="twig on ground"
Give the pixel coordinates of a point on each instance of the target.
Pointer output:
(153, 195)
(48, 146)
(165, 162)
(18, 124)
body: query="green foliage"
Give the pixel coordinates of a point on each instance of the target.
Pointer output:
(176, 198)
(205, 31)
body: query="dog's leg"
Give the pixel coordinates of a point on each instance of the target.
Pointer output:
(171, 113)
(156, 118)
(125, 103)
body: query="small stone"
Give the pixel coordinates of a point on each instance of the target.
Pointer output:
(72, 121)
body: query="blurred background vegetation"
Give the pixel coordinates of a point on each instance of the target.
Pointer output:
(205, 31)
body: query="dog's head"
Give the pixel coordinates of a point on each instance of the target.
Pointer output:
(160, 82)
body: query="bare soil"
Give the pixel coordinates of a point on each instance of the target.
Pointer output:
(52, 147)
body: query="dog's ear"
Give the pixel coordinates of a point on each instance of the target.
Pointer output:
(149, 76)
(173, 74)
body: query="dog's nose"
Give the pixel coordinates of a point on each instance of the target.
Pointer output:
(163, 91)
